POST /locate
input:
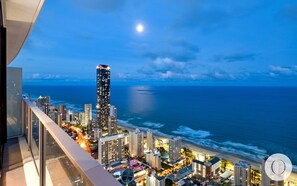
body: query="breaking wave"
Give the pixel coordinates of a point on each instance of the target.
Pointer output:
(187, 131)
(153, 125)
(199, 137)
(126, 123)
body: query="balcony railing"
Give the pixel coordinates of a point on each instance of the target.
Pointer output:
(59, 160)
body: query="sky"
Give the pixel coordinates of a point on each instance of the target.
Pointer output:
(184, 42)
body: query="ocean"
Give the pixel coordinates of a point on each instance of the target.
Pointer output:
(248, 121)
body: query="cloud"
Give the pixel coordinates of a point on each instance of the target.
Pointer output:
(38, 76)
(102, 5)
(123, 76)
(164, 66)
(279, 70)
(179, 62)
(236, 57)
(186, 45)
(210, 15)
(175, 50)
(220, 75)
(167, 64)
(184, 56)
(168, 69)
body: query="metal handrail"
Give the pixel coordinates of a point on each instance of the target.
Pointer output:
(84, 163)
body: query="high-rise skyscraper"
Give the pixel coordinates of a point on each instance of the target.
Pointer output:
(62, 111)
(111, 148)
(41, 100)
(59, 119)
(136, 143)
(70, 116)
(46, 109)
(88, 113)
(97, 133)
(103, 96)
(242, 173)
(174, 149)
(81, 118)
(54, 114)
(112, 121)
(149, 140)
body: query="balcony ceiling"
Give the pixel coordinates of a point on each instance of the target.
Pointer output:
(19, 17)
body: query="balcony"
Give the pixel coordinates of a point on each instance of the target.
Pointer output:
(45, 155)
(34, 150)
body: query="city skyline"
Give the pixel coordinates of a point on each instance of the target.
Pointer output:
(187, 163)
(193, 43)
(228, 120)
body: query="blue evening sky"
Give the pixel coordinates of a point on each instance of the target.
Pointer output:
(185, 42)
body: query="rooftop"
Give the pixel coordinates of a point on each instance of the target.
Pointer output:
(112, 137)
(208, 163)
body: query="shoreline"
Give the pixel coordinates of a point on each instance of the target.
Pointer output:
(234, 158)
(201, 149)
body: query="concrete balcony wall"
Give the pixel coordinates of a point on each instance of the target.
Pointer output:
(14, 101)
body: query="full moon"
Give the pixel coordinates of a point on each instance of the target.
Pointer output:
(139, 28)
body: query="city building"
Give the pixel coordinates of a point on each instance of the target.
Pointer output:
(266, 181)
(97, 133)
(88, 114)
(103, 96)
(136, 143)
(53, 113)
(207, 169)
(150, 144)
(41, 100)
(112, 120)
(153, 180)
(62, 110)
(91, 125)
(70, 116)
(175, 149)
(176, 176)
(46, 108)
(111, 148)
(153, 159)
(81, 118)
(59, 120)
(242, 173)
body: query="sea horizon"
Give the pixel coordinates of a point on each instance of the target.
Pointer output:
(240, 134)
(165, 84)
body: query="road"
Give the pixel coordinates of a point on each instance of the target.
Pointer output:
(84, 143)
